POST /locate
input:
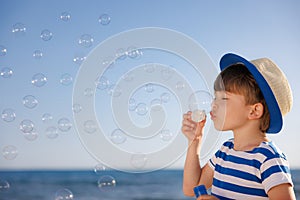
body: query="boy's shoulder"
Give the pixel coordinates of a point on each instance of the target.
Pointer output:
(266, 150)
(269, 150)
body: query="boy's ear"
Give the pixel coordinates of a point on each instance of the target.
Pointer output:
(256, 111)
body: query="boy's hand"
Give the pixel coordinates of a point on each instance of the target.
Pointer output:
(190, 128)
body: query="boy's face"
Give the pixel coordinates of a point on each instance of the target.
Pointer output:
(229, 111)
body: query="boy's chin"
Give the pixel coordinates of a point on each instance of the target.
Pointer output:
(219, 128)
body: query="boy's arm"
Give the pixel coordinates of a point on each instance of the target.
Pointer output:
(193, 175)
(283, 191)
(192, 169)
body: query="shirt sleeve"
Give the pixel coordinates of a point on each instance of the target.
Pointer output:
(275, 171)
(212, 161)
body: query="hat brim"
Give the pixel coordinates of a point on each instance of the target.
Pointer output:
(275, 113)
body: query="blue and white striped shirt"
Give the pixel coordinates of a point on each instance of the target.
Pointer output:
(248, 174)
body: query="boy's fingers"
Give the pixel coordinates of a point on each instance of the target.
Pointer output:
(187, 115)
(186, 122)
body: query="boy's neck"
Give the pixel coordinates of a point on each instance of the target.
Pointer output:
(248, 140)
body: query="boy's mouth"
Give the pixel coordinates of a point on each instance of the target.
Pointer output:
(212, 116)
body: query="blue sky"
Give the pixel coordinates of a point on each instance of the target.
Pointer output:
(252, 29)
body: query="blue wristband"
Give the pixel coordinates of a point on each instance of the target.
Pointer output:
(200, 190)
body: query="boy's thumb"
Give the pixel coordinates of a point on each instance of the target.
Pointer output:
(200, 126)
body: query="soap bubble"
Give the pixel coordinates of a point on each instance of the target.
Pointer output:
(118, 136)
(46, 35)
(47, 118)
(9, 152)
(29, 101)
(66, 79)
(37, 54)
(157, 103)
(65, 16)
(99, 168)
(88, 92)
(6, 72)
(8, 115)
(149, 87)
(86, 40)
(108, 61)
(200, 104)
(167, 73)
(64, 194)
(90, 126)
(76, 108)
(200, 100)
(166, 135)
(104, 19)
(102, 83)
(121, 54)
(141, 109)
(114, 90)
(198, 115)
(106, 183)
(134, 53)
(149, 68)
(32, 135)
(26, 126)
(128, 76)
(131, 104)
(79, 58)
(64, 124)
(4, 185)
(3, 50)
(18, 29)
(180, 85)
(138, 160)
(51, 132)
(165, 97)
(39, 80)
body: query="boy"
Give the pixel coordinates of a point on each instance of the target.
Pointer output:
(250, 99)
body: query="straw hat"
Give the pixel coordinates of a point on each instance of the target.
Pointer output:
(272, 83)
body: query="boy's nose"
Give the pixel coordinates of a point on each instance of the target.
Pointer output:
(213, 105)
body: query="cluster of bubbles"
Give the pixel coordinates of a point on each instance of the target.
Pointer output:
(105, 84)
(136, 107)
(52, 131)
(27, 126)
(40, 79)
(105, 183)
(29, 130)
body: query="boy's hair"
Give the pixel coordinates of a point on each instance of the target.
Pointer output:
(238, 80)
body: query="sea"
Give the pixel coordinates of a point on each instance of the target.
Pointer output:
(88, 185)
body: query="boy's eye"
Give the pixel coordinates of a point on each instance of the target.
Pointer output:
(224, 98)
